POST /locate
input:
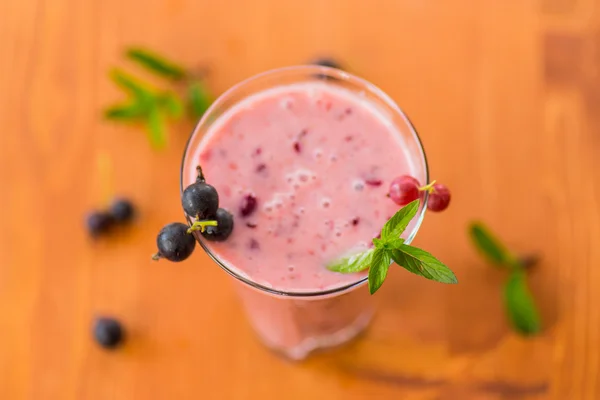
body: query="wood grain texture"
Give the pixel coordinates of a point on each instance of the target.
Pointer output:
(505, 95)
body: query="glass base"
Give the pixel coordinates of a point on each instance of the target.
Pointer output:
(314, 344)
(296, 327)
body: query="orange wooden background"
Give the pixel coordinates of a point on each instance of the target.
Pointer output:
(505, 95)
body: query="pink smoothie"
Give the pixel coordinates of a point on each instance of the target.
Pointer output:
(319, 160)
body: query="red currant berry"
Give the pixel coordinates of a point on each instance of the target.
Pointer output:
(404, 189)
(439, 198)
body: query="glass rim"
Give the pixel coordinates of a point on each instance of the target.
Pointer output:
(304, 70)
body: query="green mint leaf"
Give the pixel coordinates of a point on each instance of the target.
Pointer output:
(155, 125)
(126, 112)
(354, 263)
(490, 246)
(393, 243)
(379, 268)
(394, 227)
(131, 85)
(155, 63)
(520, 306)
(422, 263)
(390, 244)
(171, 104)
(378, 242)
(199, 99)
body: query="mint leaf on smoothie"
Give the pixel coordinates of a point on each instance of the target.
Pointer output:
(391, 247)
(380, 264)
(398, 223)
(422, 263)
(355, 263)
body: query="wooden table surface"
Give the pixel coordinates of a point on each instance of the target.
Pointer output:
(505, 95)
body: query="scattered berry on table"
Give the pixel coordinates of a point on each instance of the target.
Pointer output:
(122, 210)
(108, 332)
(99, 223)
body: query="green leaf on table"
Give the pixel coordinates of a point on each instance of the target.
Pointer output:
(380, 264)
(155, 125)
(156, 63)
(422, 263)
(355, 263)
(126, 112)
(490, 246)
(520, 306)
(131, 85)
(171, 104)
(394, 227)
(199, 98)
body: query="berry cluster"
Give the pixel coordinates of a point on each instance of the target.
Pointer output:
(406, 188)
(101, 222)
(200, 201)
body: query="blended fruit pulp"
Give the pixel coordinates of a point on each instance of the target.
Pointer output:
(305, 169)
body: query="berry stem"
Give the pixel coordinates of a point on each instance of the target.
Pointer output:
(428, 188)
(156, 256)
(201, 225)
(200, 177)
(528, 261)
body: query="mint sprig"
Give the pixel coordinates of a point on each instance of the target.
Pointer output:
(153, 107)
(391, 247)
(520, 306)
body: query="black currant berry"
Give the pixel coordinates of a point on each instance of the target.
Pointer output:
(122, 210)
(174, 243)
(99, 223)
(200, 200)
(108, 332)
(223, 229)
